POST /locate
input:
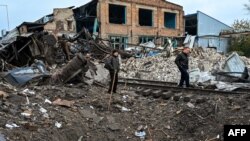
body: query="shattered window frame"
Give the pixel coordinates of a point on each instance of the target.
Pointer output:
(143, 17)
(145, 39)
(170, 20)
(70, 25)
(113, 14)
(118, 42)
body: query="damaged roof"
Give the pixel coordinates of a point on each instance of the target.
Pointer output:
(31, 24)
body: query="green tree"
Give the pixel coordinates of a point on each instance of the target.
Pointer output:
(241, 42)
(241, 25)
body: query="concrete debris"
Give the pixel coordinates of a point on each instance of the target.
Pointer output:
(91, 107)
(28, 92)
(205, 64)
(47, 101)
(114, 126)
(61, 102)
(27, 100)
(58, 125)
(80, 139)
(11, 126)
(140, 134)
(190, 105)
(3, 95)
(164, 69)
(27, 113)
(42, 110)
(81, 52)
(123, 109)
(230, 86)
(196, 76)
(52, 64)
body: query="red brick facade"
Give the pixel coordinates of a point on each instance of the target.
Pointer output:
(132, 29)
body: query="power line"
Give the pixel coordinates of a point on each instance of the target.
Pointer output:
(7, 12)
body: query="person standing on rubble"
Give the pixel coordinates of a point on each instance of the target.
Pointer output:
(113, 65)
(182, 63)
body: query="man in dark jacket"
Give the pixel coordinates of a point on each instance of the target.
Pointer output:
(114, 67)
(182, 62)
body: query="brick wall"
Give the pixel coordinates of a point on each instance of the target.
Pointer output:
(131, 29)
(60, 23)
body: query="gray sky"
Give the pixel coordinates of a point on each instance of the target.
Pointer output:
(31, 10)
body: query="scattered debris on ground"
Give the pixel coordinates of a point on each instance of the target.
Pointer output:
(83, 113)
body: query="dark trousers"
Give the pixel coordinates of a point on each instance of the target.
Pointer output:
(184, 77)
(113, 80)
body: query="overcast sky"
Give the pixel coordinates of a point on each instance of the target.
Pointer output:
(31, 10)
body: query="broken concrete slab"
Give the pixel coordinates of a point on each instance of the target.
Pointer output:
(62, 102)
(190, 105)
(114, 126)
(90, 114)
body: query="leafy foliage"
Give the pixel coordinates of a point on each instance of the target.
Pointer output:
(241, 25)
(241, 44)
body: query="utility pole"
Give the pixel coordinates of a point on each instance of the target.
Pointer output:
(7, 12)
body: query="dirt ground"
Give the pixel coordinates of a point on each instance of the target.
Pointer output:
(88, 119)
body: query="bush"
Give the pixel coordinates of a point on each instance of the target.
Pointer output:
(241, 45)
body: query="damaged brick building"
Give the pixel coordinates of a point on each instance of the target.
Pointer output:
(123, 22)
(131, 21)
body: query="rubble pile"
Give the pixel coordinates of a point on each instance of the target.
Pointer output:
(63, 57)
(164, 68)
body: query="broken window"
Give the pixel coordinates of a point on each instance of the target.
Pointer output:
(146, 39)
(118, 42)
(191, 23)
(170, 41)
(145, 17)
(70, 25)
(170, 20)
(117, 14)
(85, 16)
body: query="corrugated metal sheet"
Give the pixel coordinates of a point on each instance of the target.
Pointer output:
(209, 26)
(221, 44)
(234, 64)
(10, 37)
(224, 44)
(208, 31)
